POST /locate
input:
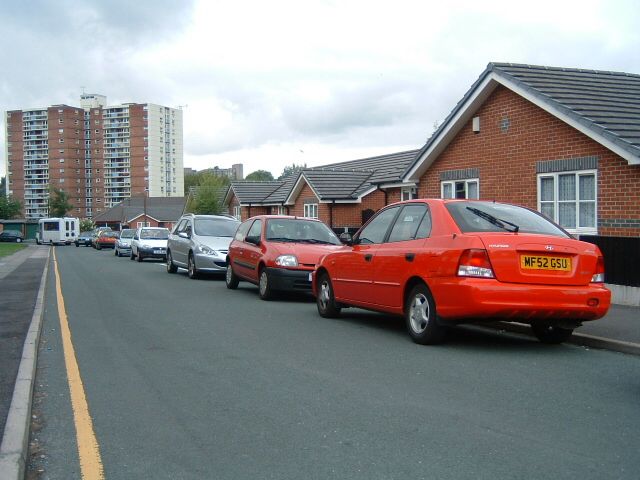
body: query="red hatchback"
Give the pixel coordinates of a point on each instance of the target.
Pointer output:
(442, 262)
(278, 253)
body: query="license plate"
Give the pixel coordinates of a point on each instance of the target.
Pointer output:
(158, 252)
(310, 275)
(543, 262)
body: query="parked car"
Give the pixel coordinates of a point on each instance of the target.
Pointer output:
(123, 244)
(96, 233)
(84, 239)
(200, 244)
(11, 236)
(442, 262)
(149, 242)
(106, 239)
(278, 253)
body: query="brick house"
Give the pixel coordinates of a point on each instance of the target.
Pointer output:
(139, 211)
(565, 142)
(342, 195)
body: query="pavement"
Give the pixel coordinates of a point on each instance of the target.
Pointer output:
(22, 283)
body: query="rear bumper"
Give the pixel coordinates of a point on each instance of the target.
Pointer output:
(478, 299)
(289, 280)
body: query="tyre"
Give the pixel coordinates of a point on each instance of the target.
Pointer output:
(192, 271)
(77, 244)
(115, 252)
(171, 267)
(139, 256)
(132, 257)
(325, 299)
(550, 333)
(98, 246)
(231, 278)
(421, 318)
(264, 285)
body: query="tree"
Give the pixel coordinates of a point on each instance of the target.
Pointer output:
(291, 169)
(9, 207)
(259, 176)
(58, 202)
(86, 224)
(208, 194)
(3, 186)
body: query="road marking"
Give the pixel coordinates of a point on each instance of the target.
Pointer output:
(88, 448)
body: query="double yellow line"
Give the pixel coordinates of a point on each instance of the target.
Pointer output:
(88, 448)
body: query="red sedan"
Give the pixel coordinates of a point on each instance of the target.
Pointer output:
(278, 253)
(442, 262)
(106, 239)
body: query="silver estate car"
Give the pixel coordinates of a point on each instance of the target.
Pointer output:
(200, 244)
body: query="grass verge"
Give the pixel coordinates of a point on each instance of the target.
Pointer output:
(9, 248)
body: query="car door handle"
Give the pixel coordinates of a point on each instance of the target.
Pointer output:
(409, 257)
(368, 257)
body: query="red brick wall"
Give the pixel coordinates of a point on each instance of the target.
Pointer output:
(507, 161)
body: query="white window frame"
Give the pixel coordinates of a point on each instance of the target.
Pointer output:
(408, 193)
(143, 224)
(311, 210)
(237, 212)
(452, 184)
(591, 230)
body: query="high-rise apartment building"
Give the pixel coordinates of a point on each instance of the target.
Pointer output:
(98, 154)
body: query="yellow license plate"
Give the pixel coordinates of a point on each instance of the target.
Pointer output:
(539, 262)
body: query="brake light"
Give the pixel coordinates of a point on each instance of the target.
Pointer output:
(598, 277)
(475, 263)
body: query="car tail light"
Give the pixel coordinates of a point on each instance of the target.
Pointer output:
(598, 277)
(475, 263)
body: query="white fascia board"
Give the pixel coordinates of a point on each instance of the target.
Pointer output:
(397, 185)
(295, 191)
(453, 127)
(605, 142)
(142, 215)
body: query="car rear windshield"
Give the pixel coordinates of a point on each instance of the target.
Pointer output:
(299, 230)
(213, 227)
(155, 234)
(500, 217)
(127, 233)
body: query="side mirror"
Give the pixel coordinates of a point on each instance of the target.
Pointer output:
(255, 240)
(346, 238)
(183, 235)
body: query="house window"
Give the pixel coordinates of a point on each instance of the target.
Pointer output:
(143, 224)
(237, 212)
(279, 210)
(408, 193)
(311, 210)
(569, 199)
(461, 189)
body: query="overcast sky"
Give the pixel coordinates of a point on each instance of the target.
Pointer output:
(268, 84)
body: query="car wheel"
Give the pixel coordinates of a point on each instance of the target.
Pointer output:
(77, 244)
(421, 318)
(98, 247)
(231, 279)
(551, 334)
(132, 257)
(18, 240)
(325, 298)
(171, 267)
(264, 285)
(192, 271)
(139, 256)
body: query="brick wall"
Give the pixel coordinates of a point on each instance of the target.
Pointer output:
(506, 159)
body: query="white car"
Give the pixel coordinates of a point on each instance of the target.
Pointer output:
(123, 244)
(149, 242)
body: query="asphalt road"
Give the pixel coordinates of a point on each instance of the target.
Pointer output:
(187, 380)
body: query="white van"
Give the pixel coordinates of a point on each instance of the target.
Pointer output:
(58, 230)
